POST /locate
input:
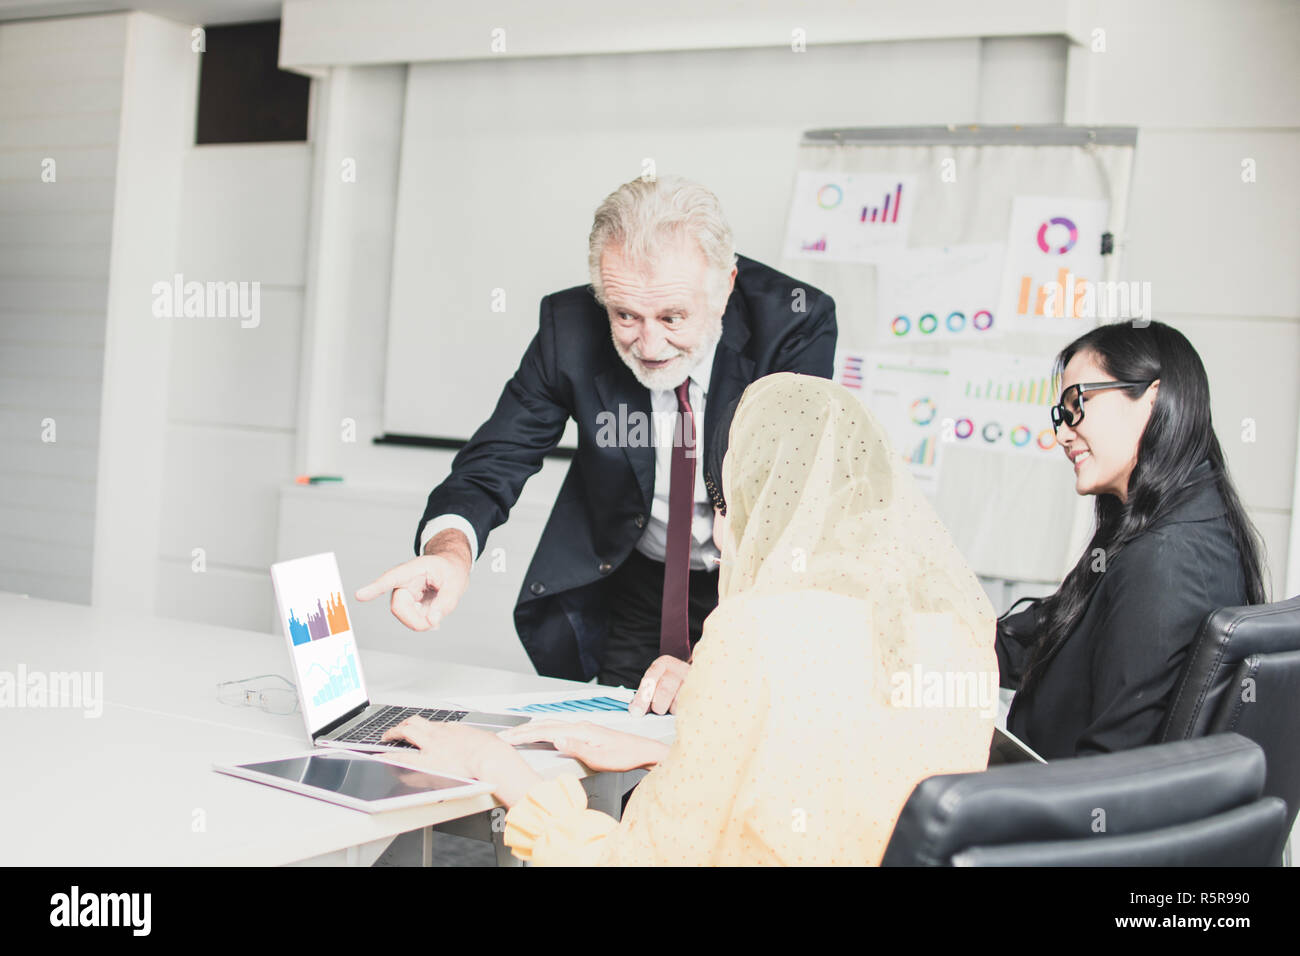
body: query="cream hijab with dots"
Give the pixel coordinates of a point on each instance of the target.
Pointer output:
(818, 499)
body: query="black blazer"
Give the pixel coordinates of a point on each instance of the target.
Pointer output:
(571, 370)
(1107, 687)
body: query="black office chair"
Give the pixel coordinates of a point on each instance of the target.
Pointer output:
(1188, 803)
(1243, 675)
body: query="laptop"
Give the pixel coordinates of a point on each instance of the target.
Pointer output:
(327, 666)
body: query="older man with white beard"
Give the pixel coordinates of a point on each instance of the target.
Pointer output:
(673, 326)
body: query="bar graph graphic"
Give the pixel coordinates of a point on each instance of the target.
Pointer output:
(883, 211)
(335, 679)
(332, 618)
(849, 217)
(851, 371)
(923, 453)
(589, 705)
(1000, 402)
(1034, 391)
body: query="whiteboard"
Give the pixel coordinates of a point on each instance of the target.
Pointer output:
(1015, 518)
(505, 161)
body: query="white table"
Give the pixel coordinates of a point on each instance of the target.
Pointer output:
(134, 786)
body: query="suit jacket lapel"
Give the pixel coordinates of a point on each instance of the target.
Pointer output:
(732, 370)
(617, 386)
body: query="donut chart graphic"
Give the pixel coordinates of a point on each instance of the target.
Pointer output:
(923, 411)
(956, 323)
(830, 196)
(1058, 221)
(992, 432)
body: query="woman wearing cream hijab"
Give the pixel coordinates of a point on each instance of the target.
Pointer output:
(848, 658)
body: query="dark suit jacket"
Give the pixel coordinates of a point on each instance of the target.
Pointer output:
(1107, 687)
(571, 370)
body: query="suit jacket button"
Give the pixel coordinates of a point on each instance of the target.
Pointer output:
(640, 521)
(606, 567)
(537, 587)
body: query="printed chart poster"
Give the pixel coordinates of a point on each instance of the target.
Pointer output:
(906, 395)
(315, 617)
(1001, 403)
(842, 217)
(940, 293)
(1053, 258)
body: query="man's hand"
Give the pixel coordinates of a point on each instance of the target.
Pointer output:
(659, 687)
(426, 589)
(600, 748)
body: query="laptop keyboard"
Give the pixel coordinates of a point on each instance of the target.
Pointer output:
(373, 729)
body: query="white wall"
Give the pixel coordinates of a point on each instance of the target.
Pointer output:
(233, 391)
(159, 93)
(1210, 84)
(324, 33)
(503, 164)
(60, 99)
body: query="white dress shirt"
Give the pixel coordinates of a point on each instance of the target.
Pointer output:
(663, 404)
(653, 540)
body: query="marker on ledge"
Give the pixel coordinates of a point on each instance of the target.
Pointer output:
(316, 479)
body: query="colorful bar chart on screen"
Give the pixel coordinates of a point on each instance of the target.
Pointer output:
(332, 618)
(334, 680)
(589, 705)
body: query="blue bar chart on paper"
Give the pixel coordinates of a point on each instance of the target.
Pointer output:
(588, 705)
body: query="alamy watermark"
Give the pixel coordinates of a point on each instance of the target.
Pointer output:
(76, 908)
(70, 689)
(208, 300)
(1077, 298)
(948, 689)
(636, 429)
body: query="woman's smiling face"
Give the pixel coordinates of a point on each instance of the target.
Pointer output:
(1103, 447)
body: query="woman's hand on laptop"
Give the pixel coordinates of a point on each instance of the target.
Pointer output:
(464, 752)
(600, 748)
(660, 686)
(426, 589)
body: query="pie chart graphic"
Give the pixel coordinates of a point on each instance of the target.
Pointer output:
(830, 196)
(1058, 221)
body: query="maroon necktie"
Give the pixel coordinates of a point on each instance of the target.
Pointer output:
(674, 629)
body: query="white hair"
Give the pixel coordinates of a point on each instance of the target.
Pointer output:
(641, 216)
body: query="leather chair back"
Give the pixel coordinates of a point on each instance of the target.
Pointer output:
(1242, 675)
(1193, 803)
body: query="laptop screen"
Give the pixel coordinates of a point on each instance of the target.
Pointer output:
(316, 623)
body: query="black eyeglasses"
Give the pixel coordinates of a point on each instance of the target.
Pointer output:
(1069, 410)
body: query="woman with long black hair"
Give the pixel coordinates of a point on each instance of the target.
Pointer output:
(1095, 663)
